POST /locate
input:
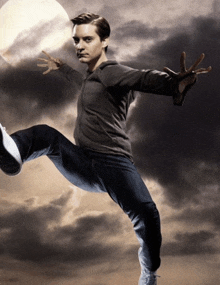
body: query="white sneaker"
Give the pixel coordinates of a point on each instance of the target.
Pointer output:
(10, 158)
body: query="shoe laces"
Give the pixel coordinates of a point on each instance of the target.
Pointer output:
(156, 275)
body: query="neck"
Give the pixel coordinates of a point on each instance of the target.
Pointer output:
(93, 65)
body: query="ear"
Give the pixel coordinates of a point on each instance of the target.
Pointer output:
(105, 42)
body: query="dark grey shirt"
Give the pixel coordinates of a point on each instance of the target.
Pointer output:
(105, 97)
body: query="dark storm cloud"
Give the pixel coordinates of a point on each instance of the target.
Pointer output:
(198, 243)
(2, 2)
(135, 29)
(26, 235)
(27, 95)
(179, 146)
(13, 280)
(9, 280)
(205, 215)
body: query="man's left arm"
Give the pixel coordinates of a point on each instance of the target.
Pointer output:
(167, 83)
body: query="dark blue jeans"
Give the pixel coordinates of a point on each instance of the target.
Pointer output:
(98, 172)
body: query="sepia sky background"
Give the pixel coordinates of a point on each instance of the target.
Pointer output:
(52, 233)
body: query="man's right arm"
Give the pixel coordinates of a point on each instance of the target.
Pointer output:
(56, 64)
(71, 74)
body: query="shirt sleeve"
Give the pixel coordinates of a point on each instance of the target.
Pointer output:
(71, 74)
(149, 81)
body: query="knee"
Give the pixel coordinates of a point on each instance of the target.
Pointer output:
(42, 127)
(146, 208)
(44, 130)
(149, 210)
(146, 212)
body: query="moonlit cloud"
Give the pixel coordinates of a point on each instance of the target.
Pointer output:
(41, 25)
(35, 39)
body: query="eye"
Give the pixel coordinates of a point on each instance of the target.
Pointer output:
(88, 40)
(76, 41)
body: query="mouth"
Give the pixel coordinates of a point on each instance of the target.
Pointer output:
(80, 55)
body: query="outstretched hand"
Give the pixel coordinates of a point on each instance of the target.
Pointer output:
(186, 78)
(51, 63)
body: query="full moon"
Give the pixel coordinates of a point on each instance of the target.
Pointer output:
(28, 27)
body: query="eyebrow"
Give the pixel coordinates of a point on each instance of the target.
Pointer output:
(84, 38)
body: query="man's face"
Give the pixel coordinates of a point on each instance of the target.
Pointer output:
(89, 47)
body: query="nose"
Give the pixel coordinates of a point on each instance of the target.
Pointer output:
(79, 46)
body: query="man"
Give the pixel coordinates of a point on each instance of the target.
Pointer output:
(101, 160)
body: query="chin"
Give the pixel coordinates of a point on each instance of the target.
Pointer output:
(84, 60)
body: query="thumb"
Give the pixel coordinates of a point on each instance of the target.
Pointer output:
(46, 72)
(170, 72)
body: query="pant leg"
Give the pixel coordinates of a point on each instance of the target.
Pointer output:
(126, 188)
(71, 160)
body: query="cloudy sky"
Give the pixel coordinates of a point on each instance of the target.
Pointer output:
(54, 233)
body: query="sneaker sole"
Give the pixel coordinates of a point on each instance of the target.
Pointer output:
(12, 165)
